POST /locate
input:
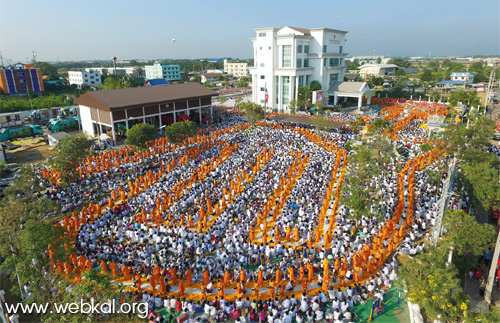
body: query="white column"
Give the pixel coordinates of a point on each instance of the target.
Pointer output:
(159, 116)
(296, 94)
(113, 127)
(126, 119)
(175, 114)
(369, 100)
(279, 94)
(143, 115)
(200, 116)
(335, 99)
(360, 101)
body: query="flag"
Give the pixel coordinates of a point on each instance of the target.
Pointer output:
(267, 96)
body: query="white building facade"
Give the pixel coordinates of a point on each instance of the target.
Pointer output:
(288, 58)
(236, 69)
(160, 71)
(89, 77)
(464, 77)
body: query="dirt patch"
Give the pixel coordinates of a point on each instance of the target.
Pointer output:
(32, 155)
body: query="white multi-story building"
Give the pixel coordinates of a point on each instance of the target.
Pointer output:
(236, 69)
(160, 71)
(89, 77)
(288, 58)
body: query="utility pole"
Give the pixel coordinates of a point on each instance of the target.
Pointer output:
(114, 63)
(442, 203)
(490, 88)
(491, 274)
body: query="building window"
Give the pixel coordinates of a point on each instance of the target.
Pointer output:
(287, 56)
(324, 48)
(262, 101)
(299, 49)
(262, 88)
(262, 34)
(269, 47)
(286, 89)
(325, 62)
(334, 62)
(299, 62)
(262, 64)
(306, 49)
(340, 50)
(260, 48)
(334, 78)
(308, 77)
(301, 80)
(306, 62)
(262, 77)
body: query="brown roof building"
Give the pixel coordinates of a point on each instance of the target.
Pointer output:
(115, 111)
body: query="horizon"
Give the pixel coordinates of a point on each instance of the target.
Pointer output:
(224, 30)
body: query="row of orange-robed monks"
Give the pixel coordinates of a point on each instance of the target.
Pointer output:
(359, 261)
(126, 154)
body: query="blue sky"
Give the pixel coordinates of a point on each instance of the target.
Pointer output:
(85, 30)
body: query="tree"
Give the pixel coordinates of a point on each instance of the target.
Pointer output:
(315, 86)
(293, 106)
(112, 83)
(468, 247)
(378, 124)
(426, 75)
(322, 124)
(237, 100)
(400, 72)
(140, 134)
(466, 97)
(304, 96)
(434, 285)
(254, 112)
(375, 81)
(47, 68)
(401, 62)
(379, 60)
(222, 99)
(133, 62)
(196, 79)
(434, 95)
(138, 71)
(243, 82)
(69, 151)
(179, 131)
(479, 169)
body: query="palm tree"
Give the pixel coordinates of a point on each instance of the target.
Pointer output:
(138, 71)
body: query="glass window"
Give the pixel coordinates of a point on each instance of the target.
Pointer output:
(287, 56)
(299, 49)
(306, 62)
(325, 62)
(301, 80)
(299, 62)
(324, 48)
(340, 50)
(262, 89)
(286, 89)
(262, 77)
(262, 64)
(308, 78)
(306, 49)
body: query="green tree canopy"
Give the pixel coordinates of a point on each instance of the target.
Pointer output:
(434, 285)
(427, 75)
(140, 134)
(466, 97)
(254, 111)
(69, 151)
(112, 83)
(315, 85)
(47, 68)
(179, 131)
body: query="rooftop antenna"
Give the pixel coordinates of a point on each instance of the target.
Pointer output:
(1, 60)
(34, 58)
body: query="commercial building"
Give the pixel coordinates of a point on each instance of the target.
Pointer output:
(160, 71)
(89, 77)
(18, 79)
(236, 69)
(379, 70)
(288, 58)
(117, 110)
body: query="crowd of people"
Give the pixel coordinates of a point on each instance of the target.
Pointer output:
(250, 228)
